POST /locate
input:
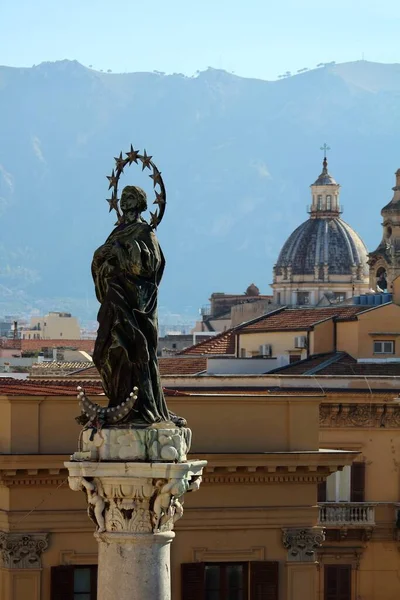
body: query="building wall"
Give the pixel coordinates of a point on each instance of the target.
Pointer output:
(322, 338)
(238, 514)
(53, 326)
(377, 567)
(347, 337)
(282, 342)
(370, 324)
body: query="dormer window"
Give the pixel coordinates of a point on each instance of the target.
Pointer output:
(329, 202)
(319, 204)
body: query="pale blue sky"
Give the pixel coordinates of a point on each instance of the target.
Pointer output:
(253, 38)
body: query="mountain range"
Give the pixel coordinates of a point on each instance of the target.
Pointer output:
(237, 157)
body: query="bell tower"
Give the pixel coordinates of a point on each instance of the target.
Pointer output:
(384, 262)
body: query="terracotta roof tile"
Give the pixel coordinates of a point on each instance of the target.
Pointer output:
(177, 365)
(184, 365)
(42, 387)
(301, 318)
(58, 366)
(223, 343)
(344, 365)
(86, 345)
(10, 344)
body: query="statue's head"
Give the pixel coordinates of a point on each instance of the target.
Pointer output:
(133, 202)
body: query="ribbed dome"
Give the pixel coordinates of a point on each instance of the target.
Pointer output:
(322, 241)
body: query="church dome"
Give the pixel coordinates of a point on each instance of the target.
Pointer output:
(324, 245)
(323, 241)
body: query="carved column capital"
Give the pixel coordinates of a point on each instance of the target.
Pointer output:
(22, 550)
(135, 497)
(301, 543)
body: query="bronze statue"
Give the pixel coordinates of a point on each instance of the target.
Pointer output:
(127, 270)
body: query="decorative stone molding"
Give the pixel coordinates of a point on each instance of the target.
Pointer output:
(22, 551)
(155, 443)
(70, 557)
(359, 415)
(228, 554)
(135, 497)
(301, 544)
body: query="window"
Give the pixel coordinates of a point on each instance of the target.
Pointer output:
(319, 203)
(226, 582)
(174, 346)
(384, 347)
(278, 298)
(328, 202)
(339, 296)
(230, 581)
(74, 583)
(303, 298)
(337, 582)
(347, 485)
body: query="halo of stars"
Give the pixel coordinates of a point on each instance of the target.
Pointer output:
(134, 156)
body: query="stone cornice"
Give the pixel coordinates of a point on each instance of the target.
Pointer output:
(270, 467)
(359, 415)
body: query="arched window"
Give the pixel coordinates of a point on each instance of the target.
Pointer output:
(329, 202)
(381, 279)
(319, 205)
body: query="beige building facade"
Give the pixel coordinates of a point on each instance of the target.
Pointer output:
(53, 326)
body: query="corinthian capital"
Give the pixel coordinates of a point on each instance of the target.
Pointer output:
(301, 543)
(22, 551)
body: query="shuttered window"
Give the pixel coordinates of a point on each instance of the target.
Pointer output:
(321, 494)
(357, 482)
(74, 582)
(337, 582)
(256, 580)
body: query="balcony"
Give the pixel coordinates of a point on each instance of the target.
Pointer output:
(346, 514)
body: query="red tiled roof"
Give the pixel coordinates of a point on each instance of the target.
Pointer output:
(344, 365)
(347, 365)
(85, 345)
(10, 344)
(90, 372)
(302, 366)
(184, 365)
(301, 318)
(38, 387)
(177, 365)
(10, 386)
(223, 343)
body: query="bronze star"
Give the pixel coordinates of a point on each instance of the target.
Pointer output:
(160, 200)
(132, 155)
(154, 219)
(156, 176)
(112, 179)
(146, 160)
(120, 162)
(113, 203)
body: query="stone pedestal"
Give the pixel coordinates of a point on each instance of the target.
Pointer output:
(134, 507)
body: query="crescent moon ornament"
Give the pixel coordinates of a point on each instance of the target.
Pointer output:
(134, 156)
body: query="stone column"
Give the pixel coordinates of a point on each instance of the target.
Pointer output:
(21, 565)
(301, 565)
(134, 507)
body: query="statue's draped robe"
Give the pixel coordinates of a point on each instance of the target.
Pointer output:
(126, 271)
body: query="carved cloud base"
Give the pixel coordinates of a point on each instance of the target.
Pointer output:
(134, 507)
(163, 442)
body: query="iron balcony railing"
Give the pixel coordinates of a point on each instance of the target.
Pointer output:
(332, 514)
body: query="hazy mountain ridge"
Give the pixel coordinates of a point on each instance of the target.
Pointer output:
(237, 155)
